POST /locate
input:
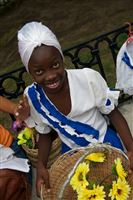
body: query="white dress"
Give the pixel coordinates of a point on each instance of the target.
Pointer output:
(90, 98)
(124, 67)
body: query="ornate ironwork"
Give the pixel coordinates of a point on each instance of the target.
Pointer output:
(87, 54)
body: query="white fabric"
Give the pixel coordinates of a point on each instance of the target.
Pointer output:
(32, 35)
(9, 161)
(124, 74)
(89, 93)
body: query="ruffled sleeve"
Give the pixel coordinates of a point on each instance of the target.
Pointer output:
(110, 102)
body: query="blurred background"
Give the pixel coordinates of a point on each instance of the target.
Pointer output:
(73, 22)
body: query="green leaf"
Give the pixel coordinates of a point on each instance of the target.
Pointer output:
(114, 172)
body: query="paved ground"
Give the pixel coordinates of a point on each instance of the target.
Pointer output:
(127, 111)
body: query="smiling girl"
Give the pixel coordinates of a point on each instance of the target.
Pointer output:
(73, 102)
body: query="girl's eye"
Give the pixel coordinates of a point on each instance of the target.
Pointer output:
(56, 65)
(38, 72)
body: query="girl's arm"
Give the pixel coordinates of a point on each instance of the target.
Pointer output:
(123, 130)
(44, 145)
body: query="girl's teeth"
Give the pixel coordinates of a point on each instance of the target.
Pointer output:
(53, 85)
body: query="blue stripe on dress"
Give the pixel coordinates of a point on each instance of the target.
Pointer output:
(78, 140)
(110, 137)
(113, 138)
(126, 59)
(78, 126)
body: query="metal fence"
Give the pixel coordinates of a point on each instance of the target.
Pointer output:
(87, 54)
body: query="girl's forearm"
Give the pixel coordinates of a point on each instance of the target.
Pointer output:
(122, 128)
(44, 145)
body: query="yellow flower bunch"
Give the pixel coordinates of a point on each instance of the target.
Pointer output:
(118, 190)
(25, 137)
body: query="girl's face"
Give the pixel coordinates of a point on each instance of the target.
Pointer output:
(46, 67)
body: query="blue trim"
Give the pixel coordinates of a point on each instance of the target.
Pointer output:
(126, 59)
(33, 96)
(65, 148)
(112, 138)
(78, 126)
(108, 102)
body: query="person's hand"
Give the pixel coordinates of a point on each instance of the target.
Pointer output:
(130, 156)
(42, 179)
(22, 110)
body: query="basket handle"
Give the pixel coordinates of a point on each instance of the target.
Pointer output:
(41, 192)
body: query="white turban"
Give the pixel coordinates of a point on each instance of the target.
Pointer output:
(32, 35)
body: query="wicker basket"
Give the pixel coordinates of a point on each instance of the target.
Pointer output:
(62, 169)
(32, 154)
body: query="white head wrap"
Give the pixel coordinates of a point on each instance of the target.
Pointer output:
(35, 34)
(124, 67)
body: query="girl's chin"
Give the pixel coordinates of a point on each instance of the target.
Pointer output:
(52, 91)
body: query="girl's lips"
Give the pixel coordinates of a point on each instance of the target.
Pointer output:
(53, 85)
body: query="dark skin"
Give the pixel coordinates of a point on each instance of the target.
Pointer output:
(21, 112)
(122, 128)
(46, 67)
(48, 70)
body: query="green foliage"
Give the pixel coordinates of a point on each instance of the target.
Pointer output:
(114, 172)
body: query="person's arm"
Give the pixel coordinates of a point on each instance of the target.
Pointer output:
(7, 105)
(44, 145)
(123, 130)
(20, 110)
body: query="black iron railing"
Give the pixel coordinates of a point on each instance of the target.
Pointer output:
(91, 54)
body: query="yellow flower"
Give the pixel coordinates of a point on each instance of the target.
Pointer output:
(27, 133)
(21, 139)
(96, 157)
(97, 193)
(24, 136)
(119, 169)
(79, 178)
(120, 190)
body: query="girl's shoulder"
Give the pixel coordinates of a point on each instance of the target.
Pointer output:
(82, 71)
(85, 73)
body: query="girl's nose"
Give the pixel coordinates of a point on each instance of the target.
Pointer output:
(50, 76)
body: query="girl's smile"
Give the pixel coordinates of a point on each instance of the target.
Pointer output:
(53, 85)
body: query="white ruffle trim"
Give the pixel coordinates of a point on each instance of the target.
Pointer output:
(112, 97)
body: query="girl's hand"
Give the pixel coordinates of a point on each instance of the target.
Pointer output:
(22, 110)
(42, 179)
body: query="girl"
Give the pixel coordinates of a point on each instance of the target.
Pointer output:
(70, 101)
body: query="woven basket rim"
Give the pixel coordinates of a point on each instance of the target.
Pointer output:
(65, 166)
